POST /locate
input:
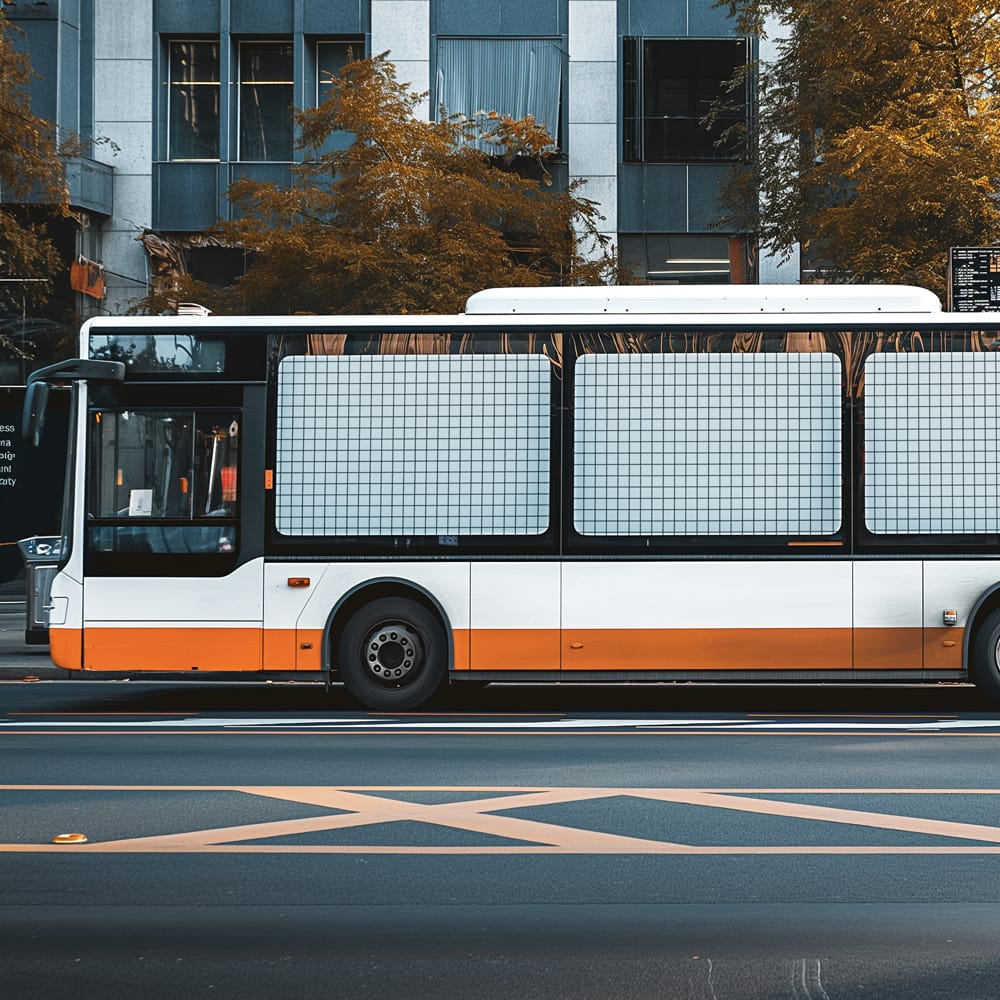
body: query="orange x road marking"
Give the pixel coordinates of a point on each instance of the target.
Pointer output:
(371, 806)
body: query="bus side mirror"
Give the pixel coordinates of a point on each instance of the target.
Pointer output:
(72, 370)
(36, 398)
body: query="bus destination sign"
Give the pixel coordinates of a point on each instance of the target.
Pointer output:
(974, 279)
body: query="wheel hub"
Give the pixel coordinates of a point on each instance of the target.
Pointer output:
(393, 653)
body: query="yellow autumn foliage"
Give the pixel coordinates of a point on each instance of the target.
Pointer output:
(877, 143)
(404, 215)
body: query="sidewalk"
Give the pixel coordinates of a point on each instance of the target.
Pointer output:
(18, 660)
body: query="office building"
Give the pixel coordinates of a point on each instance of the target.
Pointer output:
(177, 98)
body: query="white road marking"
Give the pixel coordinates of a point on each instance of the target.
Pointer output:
(334, 723)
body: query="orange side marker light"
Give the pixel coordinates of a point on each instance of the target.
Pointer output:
(298, 581)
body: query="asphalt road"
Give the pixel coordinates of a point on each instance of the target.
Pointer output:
(251, 839)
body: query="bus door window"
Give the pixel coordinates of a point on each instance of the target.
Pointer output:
(216, 462)
(140, 464)
(157, 473)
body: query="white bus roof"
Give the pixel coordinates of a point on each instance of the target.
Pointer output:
(594, 300)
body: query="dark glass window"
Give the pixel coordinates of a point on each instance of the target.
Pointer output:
(194, 101)
(670, 85)
(266, 96)
(331, 58)
(163, 481)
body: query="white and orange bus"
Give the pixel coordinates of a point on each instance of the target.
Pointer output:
(718, 483)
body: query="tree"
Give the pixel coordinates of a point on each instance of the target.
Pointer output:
(409, 217)
(30, 170)
(877, 143)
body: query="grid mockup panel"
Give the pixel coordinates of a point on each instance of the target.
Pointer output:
(413, 445)
(711, 444)
(932, 447)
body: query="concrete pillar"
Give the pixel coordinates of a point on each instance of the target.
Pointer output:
(592, 140)
(123, 114)
(403, 27)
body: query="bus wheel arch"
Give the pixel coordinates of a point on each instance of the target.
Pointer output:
(982, 656)
(390, 643)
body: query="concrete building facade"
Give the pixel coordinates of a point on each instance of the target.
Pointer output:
(180, 97)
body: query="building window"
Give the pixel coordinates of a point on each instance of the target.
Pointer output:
(331, 58)
(513, 76)
(194, 101)
(679, 258)
(670, 85)
(266, 96)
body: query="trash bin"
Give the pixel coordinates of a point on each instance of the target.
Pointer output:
(41, 554)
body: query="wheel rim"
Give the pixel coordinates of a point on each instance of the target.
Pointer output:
(393, 653)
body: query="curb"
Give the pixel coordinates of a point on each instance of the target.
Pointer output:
(19, 661)
(31, 661)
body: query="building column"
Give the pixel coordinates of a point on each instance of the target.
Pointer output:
(771, 270)
(592, 140)
(403, 27)
(123, 117)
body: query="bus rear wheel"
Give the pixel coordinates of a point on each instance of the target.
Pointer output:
(986, 658)
(393, 654)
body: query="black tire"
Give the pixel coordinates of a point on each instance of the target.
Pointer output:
(393, 654)
(985, 666)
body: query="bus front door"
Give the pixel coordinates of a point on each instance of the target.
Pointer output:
(170, 580)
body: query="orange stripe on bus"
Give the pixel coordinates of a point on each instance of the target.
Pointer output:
(461, 639)
(182, 649)
(293, 649)
(707, 649)
(889, 648)
(943, 648)
(65, 647)
(253, 649)
(514, 649)
(279, 651)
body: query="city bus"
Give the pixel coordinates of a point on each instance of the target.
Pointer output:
(780, 484)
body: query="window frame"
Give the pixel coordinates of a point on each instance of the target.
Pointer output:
(636, 100)
(555, 41)
(358, 44)
(102, 553)
(241, 83)
(217, 83)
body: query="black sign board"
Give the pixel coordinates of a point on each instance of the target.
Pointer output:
(974, 279)
(31, 479)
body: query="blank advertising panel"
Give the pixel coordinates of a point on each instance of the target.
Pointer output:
(377, 445)
(712, 444)
(932, 444)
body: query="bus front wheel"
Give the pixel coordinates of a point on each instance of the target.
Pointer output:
(392, 654)
(986, 658)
